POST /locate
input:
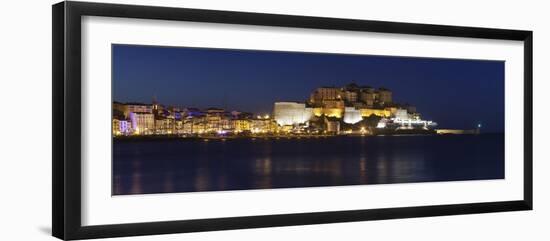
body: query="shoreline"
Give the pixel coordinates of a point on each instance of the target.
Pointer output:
(178, 137)
(276, 137)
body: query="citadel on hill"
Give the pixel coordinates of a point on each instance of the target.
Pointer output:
(344, 109)
(351, 109)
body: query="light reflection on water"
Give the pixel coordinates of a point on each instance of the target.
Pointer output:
(363, 170)
(263, 170)
(202, 180)
(188, 166)
(169, 182)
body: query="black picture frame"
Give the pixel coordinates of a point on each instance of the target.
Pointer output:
(66, 75)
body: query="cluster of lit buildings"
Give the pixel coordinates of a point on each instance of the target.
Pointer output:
(329, 110)
(156, 119)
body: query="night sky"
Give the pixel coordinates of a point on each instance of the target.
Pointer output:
(455, 93)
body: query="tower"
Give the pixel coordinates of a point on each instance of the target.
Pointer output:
(155, 104)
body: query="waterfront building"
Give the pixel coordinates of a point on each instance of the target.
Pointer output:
(263, 125)
(286, 129)
(199, 127)
(196, 124)
(214, 118)
(143, 123)
(164, 125)
(241, 125)
(187, 126)
(227, 124)
(178, 126)
(116, 127)
(291, 113)
(124, 127)
(332, 125)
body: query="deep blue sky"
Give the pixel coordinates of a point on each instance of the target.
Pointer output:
(455, 93)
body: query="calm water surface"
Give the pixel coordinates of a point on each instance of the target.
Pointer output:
(160, 166)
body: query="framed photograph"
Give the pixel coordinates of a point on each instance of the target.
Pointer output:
(169, 120)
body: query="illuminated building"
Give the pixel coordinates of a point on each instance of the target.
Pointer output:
(187, 126)
(332, 125)
(326, 93)
(142, 123)
(164, 125)
(124, 127)
(193, 125)
(214, 120)
(156, 108)
(330, 112)
(226, 124)
(199, 127)
(392, 110)
(136, 108)
(333, 104)
(352, 115)
(291, 113)
(263, 125)
(369, 97)
(286, 129)
(351, 93)
(402, 114)
(241, 125)
(385, 96)
(350, 96)
(178, 126)
(366, 112)
(330, 108)
(116, 127)
(199, 124)
(119, 109)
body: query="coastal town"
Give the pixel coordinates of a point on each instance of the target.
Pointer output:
(345, 110)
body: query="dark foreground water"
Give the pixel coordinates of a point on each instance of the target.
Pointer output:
(160, 166)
